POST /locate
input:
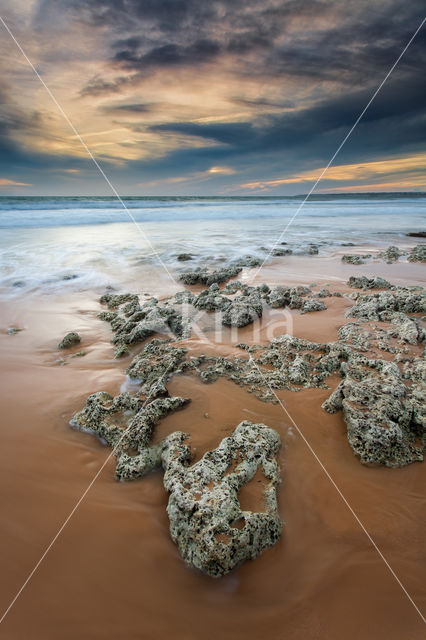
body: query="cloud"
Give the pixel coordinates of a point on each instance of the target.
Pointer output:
(413, 168)
(5, 182)
(168, 89)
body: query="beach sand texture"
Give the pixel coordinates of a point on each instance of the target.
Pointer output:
(114, 571)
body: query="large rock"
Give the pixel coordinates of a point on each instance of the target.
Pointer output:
(383, 416)
(207, 523)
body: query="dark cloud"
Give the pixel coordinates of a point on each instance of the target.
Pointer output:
(402, 101)
(131, 108)
(169, 55)
(332, 54)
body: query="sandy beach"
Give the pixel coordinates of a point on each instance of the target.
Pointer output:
(114, 570)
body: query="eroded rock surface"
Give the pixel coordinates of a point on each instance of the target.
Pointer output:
(386, 424)
(70, 340)
(204, 276)
(417, 254)
(391, 254)
(381, 306)
(207, 523)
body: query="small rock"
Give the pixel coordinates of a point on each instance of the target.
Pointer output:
(312, 305)
(13, 330)
(69, 340)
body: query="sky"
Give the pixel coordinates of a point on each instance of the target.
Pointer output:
(211, 97)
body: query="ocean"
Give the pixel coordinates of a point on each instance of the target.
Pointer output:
(51, 243)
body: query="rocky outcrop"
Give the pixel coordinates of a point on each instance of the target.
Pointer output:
(363, 282)
(417, 254)
(311, 305)
(204, 276)
(391, 254)
(70, 340)
(383, 416)
(355, 259)
(207, 523)
(133, 322)
(381, 306)
(242, 310)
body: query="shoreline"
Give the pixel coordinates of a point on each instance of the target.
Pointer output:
(311, 562)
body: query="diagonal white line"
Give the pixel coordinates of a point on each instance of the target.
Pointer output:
(339, 148)
(73, 510)
(89, 153)
(305, 440)
(52, 542)
(251, 359)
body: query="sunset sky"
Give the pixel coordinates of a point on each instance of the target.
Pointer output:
(217, 97)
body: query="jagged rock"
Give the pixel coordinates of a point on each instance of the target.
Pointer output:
(363, 282)
(207, 523)
(70, 340)
(354, 259)
(382, 414)
(106, 416)
(298, 371)
(355, 335)
(323, 293)
(417, 254)
(312, 305)
(312, 250)
(211, 299)
(138, 439)
(283, 296)
(114, 301)
(157, 361)
(405, 328)
(281, 252)
(247, 261)
(203, 276)
(242, 311)
(182, 297)
(391, 254)
(133, 323)
(380, 306)
(279, 297)
(121, 349)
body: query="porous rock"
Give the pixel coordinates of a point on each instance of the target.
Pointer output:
(203, 276)
(417, 254)
(391, 254)
(363, 282)
(380, 306)
(242, 310)
(382, 415)
(207, 523)
(70, 340)
(355, 259)
(312, 305)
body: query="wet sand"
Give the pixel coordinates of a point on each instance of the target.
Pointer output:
(114, 571)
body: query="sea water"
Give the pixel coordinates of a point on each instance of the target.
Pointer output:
(48, 243)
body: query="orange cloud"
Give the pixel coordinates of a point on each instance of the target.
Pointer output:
(355, 172)
(198, 176)
(5, 182)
